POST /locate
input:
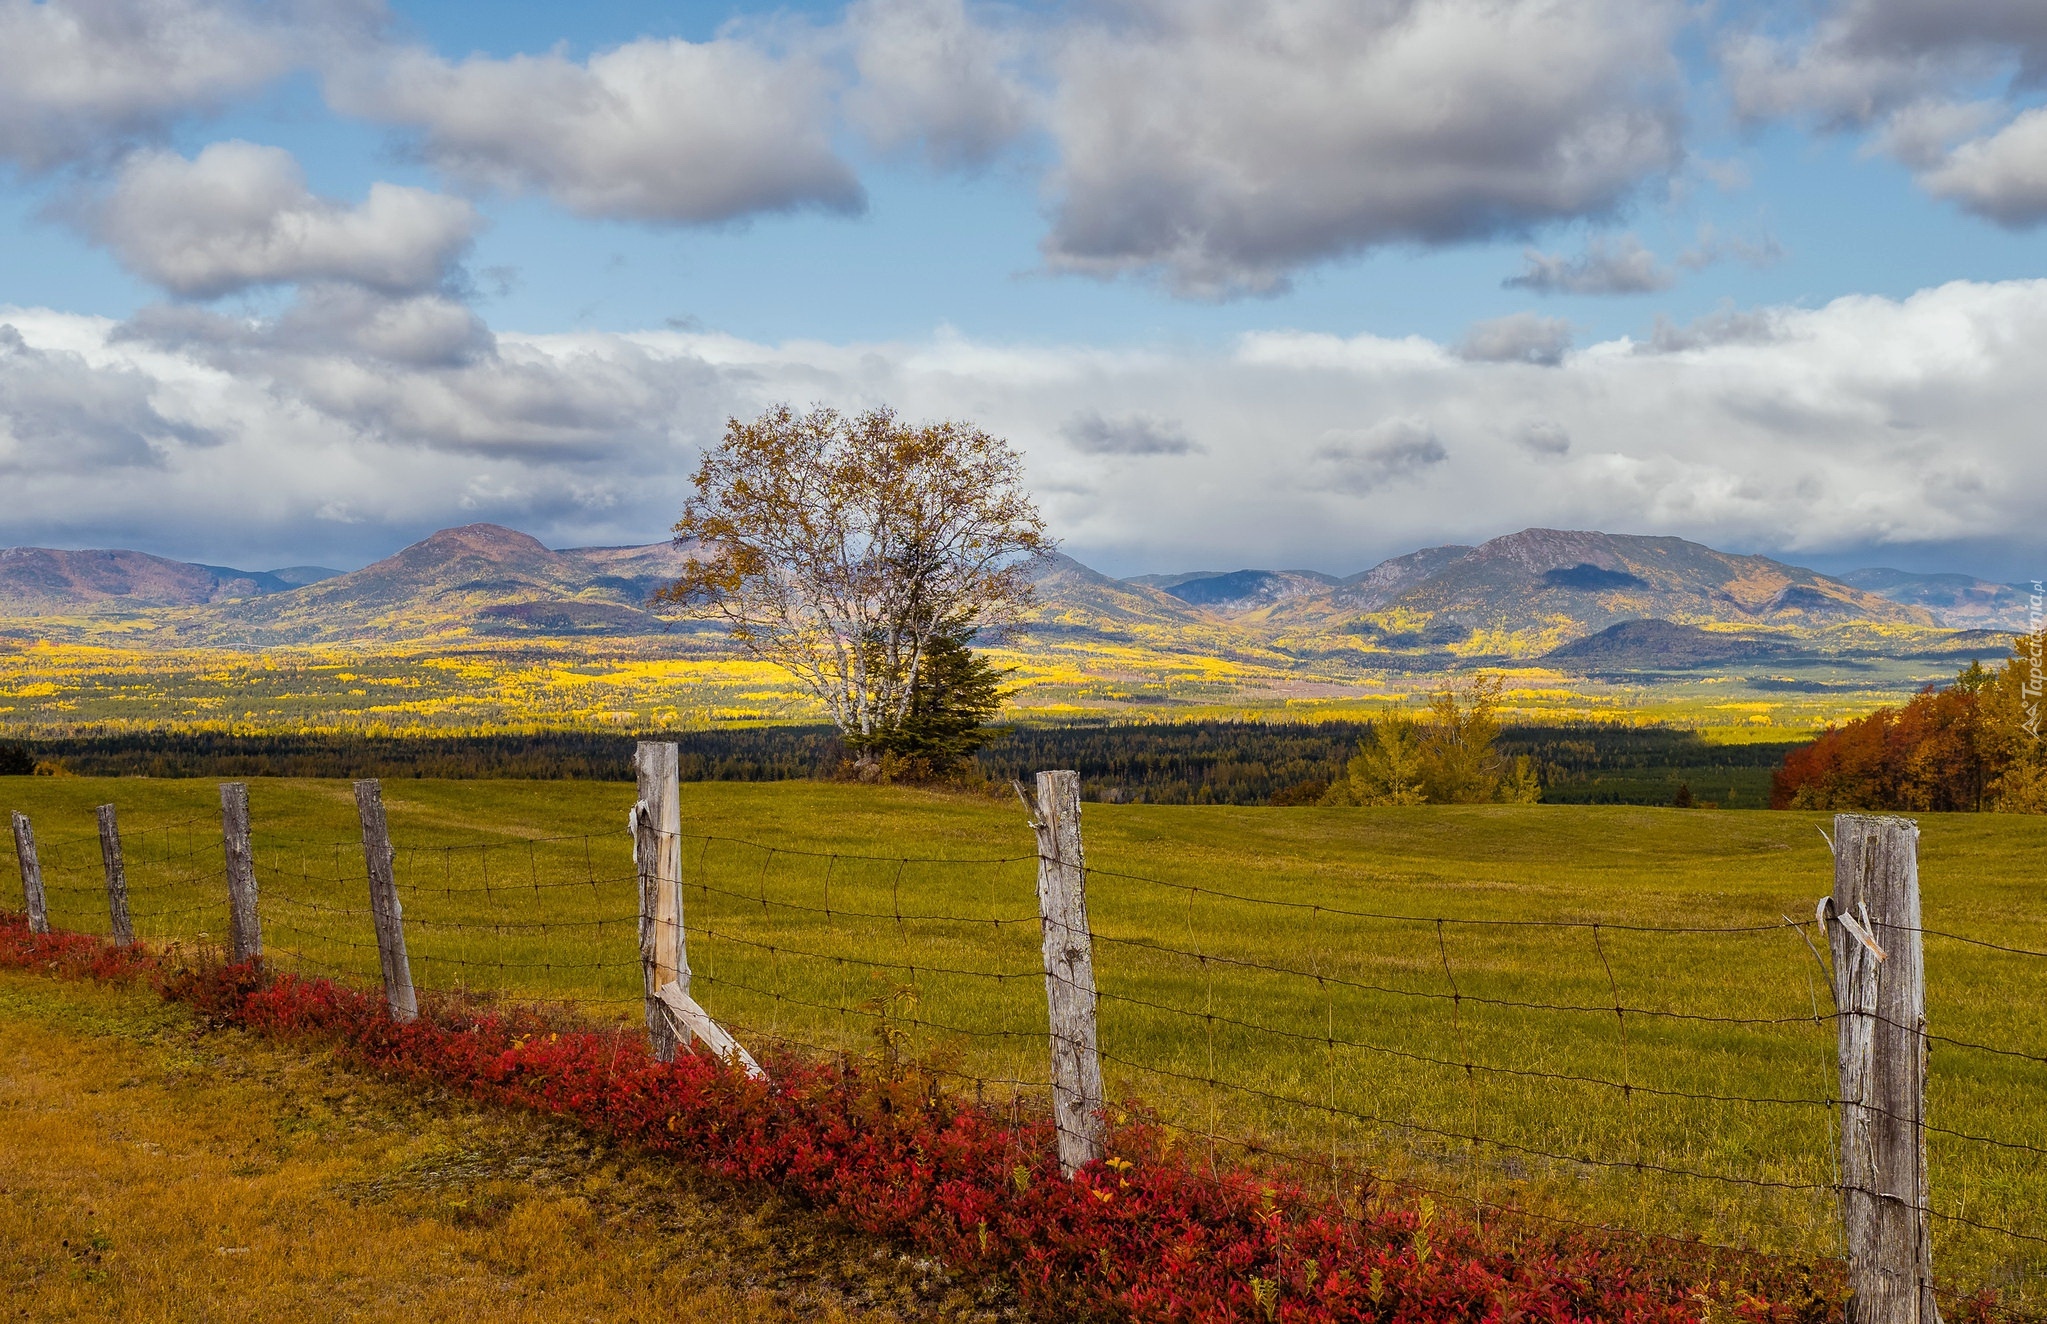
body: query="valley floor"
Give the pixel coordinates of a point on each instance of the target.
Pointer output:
(151, 1169)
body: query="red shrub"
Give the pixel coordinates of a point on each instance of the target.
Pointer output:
(1141, 1237)
(69, 955)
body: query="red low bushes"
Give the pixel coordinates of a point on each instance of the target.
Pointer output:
(70, 955)
(1142, 1237)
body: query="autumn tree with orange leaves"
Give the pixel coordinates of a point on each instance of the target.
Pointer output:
(1967, 746)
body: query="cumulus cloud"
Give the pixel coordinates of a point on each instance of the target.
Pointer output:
(59, 412)
(1223, 145)
(1862, 424)
(1865, 58)
(426, 372)
(78, 77)
(240, 215)
(1542, 437)
(1358, 463)
(1900, 68)
(1725, 326)
(1517, 338)
(1134, 434)
(932, 76)
(2001, 177)
(1617, 266)
(665, 131)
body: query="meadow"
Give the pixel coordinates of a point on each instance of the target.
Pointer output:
(1588, 1012)
(115, 683)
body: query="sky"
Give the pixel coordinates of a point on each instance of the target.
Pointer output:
(1295, 284)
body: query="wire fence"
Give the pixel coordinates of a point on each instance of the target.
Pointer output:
(1675, 1081)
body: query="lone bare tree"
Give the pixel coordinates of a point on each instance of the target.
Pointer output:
(839, 548)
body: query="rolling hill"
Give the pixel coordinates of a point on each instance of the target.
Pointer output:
(1959, 602)
(1584, 601)
(477, 580)
(44, 581)
(1529, 593)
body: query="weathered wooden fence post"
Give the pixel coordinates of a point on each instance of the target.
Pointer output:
(673, 1016)
(118, 923)
(657, 856)
(244, 927)
(31, 874)
(384, 910)
(1880, 993)
(1069, 971)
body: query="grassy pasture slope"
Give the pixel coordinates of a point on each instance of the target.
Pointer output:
(154, 1171)
(1356, 1051)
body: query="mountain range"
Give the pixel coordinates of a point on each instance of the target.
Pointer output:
(1581, 601)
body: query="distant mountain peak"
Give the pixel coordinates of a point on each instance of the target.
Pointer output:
(1242, 590)
(485, 539)
(1539, 551)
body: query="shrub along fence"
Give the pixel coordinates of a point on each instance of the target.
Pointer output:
(1717, 1111)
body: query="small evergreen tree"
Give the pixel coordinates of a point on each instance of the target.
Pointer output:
(955, 694)
(1387, 768)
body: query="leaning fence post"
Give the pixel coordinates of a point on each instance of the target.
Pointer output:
(244, 928)
(1880, 993)
(389, 919)
(118, 922)
(657, 857)
(1069, 971)
(31, 874)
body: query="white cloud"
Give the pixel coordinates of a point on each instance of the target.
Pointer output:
(1911, 71)
(59, 412)
(240, 215)
(1517, 338)
(1922, 133)
(1362, 461)
(1862, 59)
(1725, 326)
(425, 372)
(1865, 423)
(2001, 177)
(929, 74)
(1133, 434)
(1616, 266)
(1542, 437)
(1222, 145)
(665, 131)
(77, 77)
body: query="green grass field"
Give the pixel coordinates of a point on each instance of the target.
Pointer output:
(1236, 1000)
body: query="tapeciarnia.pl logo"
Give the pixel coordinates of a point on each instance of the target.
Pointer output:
(2034, 622)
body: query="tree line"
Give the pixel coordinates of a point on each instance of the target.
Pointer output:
(1970, 745)
(1208, 762)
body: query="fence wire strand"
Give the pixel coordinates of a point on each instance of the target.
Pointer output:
(818, 951)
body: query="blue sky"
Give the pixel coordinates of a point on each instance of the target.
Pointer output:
(1280, 237)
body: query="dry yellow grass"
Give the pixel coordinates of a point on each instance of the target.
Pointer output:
(150, 1170)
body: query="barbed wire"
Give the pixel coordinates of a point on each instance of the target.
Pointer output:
(752, 899)
(535, 868)
(1320, 907)
(1455, 997)
(1337, 1041)
(1312, 1105)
